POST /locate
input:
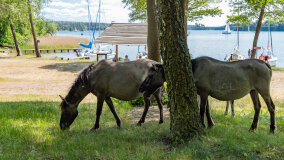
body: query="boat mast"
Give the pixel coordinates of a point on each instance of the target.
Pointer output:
(238, 26)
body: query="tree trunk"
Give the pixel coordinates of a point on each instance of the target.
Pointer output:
(184, 111)
(257, 30)
(153, 33)
(19, 53)
(185, 7)
(33, 30)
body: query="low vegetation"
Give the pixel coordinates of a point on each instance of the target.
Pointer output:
(30, 130)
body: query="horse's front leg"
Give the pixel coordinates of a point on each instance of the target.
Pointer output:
(158, 97)
(146, 107)
(98, 114)
(113, 111)
(208, 115)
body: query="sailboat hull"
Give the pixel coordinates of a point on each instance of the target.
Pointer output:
(272, 61)
(225, 32)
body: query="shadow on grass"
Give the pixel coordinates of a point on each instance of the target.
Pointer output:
(30, 130)
(73, 67)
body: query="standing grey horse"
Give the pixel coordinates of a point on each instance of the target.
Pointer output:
(109, 79)
(229, 81)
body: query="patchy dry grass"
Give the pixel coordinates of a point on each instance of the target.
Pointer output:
(57, 42)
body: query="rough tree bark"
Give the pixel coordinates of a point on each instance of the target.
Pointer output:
(33, 30)
(19, 53)
(184, 111)
(185, 7)
(257, 30)
(153, 33)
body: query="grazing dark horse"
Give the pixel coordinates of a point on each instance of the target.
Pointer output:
(109, 79)
(229, 81)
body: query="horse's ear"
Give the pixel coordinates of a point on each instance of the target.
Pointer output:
(155, 67)
(63, 99)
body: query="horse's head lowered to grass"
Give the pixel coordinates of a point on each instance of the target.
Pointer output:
(68, 113)
(154, 80)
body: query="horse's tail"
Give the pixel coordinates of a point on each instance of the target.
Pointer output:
(269, 67)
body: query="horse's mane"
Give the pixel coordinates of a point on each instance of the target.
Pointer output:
(81, 80)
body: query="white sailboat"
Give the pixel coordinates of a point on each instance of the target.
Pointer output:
(271, 58)
(227, 29)
(236, 55)
(91, 50)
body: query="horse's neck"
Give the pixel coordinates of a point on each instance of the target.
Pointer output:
(77, 94)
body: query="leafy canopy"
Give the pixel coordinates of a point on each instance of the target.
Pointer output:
(247, 11)
(195, 11)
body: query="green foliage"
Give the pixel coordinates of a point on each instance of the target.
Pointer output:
(44, 27)
(247, 11)
(15, 12)
(196, 9)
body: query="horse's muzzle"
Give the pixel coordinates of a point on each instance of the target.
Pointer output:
(141, 89)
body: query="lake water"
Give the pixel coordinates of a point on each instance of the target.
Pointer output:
(210, 43)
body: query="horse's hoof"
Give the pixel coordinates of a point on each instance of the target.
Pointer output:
(252, 129)
(118, 124)
(94, 129)
(272, 129)
(161, 121)
(139, 123)
(211, 125)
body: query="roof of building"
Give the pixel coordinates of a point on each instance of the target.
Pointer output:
(124, 34)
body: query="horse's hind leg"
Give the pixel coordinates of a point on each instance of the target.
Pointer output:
(203, 104)
(271, 108)
(227, 107)
(257, 107)
(158, 97)
(146, 107)
(208, 115)
(233, 108)
(98, 114)
(113, 111)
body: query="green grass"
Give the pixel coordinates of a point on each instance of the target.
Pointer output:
(277, 69)
(30, 130)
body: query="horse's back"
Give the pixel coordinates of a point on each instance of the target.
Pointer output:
(229, 80)
(120, 80)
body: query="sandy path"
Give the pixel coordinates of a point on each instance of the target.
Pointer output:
(37, 76)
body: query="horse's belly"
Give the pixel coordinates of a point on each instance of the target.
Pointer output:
(226, 95)
(126, 97)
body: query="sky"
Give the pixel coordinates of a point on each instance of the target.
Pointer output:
(112, 10)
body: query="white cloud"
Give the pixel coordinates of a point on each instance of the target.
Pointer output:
(112, 10)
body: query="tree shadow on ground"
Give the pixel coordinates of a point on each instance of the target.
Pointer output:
(73, 67)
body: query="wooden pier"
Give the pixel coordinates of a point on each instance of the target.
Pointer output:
(25, 51)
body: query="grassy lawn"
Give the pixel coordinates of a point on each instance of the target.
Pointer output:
(30, 130)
